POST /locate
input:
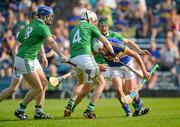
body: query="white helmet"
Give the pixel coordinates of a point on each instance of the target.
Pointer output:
(87, 15)
(97, 45)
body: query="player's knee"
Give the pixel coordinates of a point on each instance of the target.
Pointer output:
(44, 84)
(118, 92)
(12, 89)
(84, 92)
(39, 89)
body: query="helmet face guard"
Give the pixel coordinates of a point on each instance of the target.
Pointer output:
(97, 45)
(44, 13)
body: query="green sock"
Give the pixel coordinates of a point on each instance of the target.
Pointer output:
(38, 108)
(70, 104)
(90, 107)
(73, 108)
(21, 107)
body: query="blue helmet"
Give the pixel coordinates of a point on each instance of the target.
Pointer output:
(44, 10)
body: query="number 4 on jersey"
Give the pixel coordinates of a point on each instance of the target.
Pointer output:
(77, 38)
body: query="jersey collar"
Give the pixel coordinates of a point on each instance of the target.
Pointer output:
(107, 34)
(41, 20)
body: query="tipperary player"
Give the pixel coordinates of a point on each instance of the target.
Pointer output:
(118, 72)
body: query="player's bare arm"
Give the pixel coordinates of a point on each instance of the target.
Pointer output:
(43, 56)
(106, 43)
(139, 61)
(135, 47)
(55, 47)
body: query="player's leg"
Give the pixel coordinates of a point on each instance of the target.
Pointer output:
(90, 70)
(130, 85)
(76, 90)
(99, 87)
(10, 90)
(15, 82)
(117, 82)
(39, 112)
(117, 75)
(30, 75)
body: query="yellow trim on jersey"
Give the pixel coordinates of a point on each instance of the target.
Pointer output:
(126, 49)
(122, 53)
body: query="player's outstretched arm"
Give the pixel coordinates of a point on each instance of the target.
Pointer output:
(43, 56)
(15, 49)
(139, 61)
(52, 43)
(106, 43)
(135, 47)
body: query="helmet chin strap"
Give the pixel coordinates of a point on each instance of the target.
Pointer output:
(87, 17)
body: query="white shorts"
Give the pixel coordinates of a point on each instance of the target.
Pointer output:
(22, 66)
(87, 64)
(107, 74)
(122, 72)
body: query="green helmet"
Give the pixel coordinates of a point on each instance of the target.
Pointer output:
(103, 20)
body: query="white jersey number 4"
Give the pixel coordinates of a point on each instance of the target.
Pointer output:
(77, 38)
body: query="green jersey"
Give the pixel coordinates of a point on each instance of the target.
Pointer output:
(116, 35)
(31, 39)
(20, 35)
(81, 38)
(99, 58)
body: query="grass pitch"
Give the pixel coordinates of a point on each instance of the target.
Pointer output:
(165, 113)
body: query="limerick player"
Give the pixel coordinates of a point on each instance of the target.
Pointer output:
(118, 72)
(17, 77)
(87, 70)
(35, 34)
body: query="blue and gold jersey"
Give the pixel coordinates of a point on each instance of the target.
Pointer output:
(120, 49)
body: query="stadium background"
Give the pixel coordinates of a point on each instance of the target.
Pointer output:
(152, 24)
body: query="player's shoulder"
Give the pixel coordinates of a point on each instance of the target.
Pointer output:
(114, 33)
(85, 24)
(38, 23)
(116, 41)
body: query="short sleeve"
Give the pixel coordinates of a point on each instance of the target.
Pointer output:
(119, 36)
(95, 32)
(46, 31)
(20, 36)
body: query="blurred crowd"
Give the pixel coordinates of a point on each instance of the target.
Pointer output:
(140, 19)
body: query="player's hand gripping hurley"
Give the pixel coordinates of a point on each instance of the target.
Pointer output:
(129, 98)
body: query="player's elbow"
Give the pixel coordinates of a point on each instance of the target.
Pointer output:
(50, 41)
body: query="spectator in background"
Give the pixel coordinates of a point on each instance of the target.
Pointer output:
(21, 23)
(137, 22)
(169, 54)
(23, 5)
(2, 25)
(11, 18)
(9, 41)
(157, 31)
(84, 5)
(155, 53)
(74, 19)
(176, 69)
(174, 20)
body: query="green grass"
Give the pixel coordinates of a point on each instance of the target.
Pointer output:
(165, 113)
